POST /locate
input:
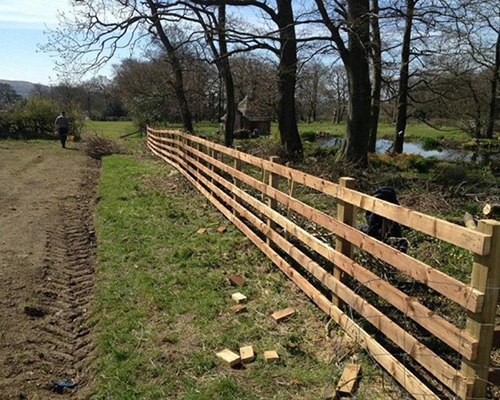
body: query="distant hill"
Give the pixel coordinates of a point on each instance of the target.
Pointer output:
(24, 88)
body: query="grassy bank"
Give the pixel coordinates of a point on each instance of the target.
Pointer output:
(162, 299)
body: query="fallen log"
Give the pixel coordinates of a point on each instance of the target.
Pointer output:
(128, 134)
(491, 209)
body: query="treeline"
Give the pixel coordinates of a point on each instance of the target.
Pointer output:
(34, 116)
(429, 60)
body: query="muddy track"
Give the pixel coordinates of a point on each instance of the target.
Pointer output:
(67, 293)
(55, 344)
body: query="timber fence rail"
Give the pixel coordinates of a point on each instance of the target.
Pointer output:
(262, 210)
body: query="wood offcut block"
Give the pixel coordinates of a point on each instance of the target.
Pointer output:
(229, 358)
(236, 280)
(270, 356)
(331, 394)
(348, 380)
(238, 308)
(246, 354)
(201, 231)
(239, 298)
(283, 314)
(221, 229)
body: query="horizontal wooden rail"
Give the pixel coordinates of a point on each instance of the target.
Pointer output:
(438, 367)
(455, 290)
(379, 353)
(447, 332)
(223, 181)
(476, 242)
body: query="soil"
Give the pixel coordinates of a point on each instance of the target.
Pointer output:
(47, 246)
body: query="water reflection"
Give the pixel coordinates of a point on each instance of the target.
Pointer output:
(479, 157)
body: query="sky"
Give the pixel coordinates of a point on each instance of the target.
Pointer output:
(22, 26)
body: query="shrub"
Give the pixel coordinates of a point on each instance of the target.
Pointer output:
(34, 118)
(37, 116)
(430, 144)
(451, 174)
(421, 164)
(308, 136)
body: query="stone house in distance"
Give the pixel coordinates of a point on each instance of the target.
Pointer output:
(249, 121)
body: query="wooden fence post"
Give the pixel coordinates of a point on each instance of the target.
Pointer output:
(346, 213)
(272, 181)
(196, 146)
(485, 278)
(210, 153)
(291, 193)
(183, 147)
(169, 145)
(237, 182)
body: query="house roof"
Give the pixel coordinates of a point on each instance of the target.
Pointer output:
(249, 110)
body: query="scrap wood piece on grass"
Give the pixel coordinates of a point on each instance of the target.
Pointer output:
(283, 314)
(221, 229)
(239, 298)
(238, 308)
(236, 280)
(348, 380)
(228, 357)
(270, 356)
(201, 231)
(330, 394)
(469, 221)
(246, 354)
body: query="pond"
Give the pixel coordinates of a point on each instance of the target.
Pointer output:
(480, 157)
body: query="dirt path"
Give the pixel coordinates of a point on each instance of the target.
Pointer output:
(46, 269)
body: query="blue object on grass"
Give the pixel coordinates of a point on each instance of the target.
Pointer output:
(64, 384)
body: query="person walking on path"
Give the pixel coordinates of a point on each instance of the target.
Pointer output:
(62, 125)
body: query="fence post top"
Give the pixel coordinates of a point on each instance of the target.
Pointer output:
(346, 178)
(489, 226)
(347, 182)
(489, 222)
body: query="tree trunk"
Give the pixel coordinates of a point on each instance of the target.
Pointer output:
(404, 76)
(355, 146)
(180, 94)
(287, 71)
(377, 76)
(494, 84)
(225, 71)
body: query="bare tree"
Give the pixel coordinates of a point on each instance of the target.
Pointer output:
(95, 30)
(282, 15)
(309, 84)
(355, 58)
(376, 54)
(214, 28)
(404, 77)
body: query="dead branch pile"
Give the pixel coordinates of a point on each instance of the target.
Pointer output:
(98, 146)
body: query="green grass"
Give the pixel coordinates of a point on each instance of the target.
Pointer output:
(206, 128)
(162, 299)
(112, 129)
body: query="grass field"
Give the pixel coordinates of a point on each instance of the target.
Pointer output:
(162, 300)
(112, 129)
(414, 131)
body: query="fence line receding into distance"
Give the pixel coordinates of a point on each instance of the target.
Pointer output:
(262, 209)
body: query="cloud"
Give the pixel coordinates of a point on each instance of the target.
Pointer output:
(33, 13)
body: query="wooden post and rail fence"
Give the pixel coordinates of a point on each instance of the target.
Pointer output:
(218, 172)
